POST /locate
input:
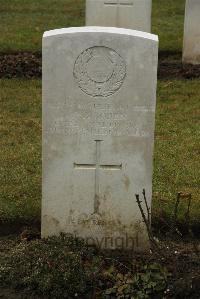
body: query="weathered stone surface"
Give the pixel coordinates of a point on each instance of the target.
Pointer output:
(132, 14)
(191, 45)
(99, 97)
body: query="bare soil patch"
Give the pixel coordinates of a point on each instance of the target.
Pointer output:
(171, 67)
(29, 65)
(21, 65)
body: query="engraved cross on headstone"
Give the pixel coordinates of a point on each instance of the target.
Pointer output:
(118, 2)
(97, 166)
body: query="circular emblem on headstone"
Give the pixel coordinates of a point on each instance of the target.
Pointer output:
(99, 71)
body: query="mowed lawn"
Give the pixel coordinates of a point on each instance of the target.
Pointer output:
(177, 154)
(176, 161)
(23, 22)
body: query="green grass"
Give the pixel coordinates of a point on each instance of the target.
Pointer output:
(176, 147)
(23, 22)
(20, 149)
(177, 153)
(168, 23)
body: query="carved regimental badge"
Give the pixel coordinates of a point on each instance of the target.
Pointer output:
(99, 71)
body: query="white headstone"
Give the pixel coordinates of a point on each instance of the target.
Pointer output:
(99, 97)
(132, 14)
(191, 45)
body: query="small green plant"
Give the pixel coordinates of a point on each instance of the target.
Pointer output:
(149, 282)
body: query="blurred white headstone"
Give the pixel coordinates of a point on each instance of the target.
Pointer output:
(191, 46)
(132, 14)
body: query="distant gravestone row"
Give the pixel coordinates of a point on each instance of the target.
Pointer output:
(136, 14)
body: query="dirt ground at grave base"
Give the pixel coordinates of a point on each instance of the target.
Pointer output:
(180, 257)
(29, 65)
(6, 293)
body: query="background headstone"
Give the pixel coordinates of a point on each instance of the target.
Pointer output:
(132, 14)
(99, 97)
(191, 45)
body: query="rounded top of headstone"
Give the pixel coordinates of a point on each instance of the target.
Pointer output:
(99, 29)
